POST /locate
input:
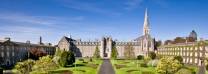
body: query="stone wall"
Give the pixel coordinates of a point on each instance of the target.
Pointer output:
(87, 49)
(191, 53)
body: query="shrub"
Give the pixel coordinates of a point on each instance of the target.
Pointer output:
(147, 72)
(114, 52)
(140, 57)
(143, 65)
(152, 55)
(96, 53)
(184, 71)
(147, 59)
(44, 64)
(153, 63)
(24, 67)
(179, 58)
(167, 65)
(66, 58)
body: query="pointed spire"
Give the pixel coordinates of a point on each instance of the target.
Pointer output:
(146, 23)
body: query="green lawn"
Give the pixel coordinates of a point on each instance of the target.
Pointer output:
(131, 67)
(81, 67)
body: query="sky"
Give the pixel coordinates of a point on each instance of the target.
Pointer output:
(23, 20)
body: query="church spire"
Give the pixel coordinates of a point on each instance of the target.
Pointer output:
(146, 24)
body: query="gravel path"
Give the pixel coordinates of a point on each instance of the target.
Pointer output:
(106, 67)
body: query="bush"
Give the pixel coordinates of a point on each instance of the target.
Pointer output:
(152, 55)
(143, 65)
(147, 59)
(66, 58)
(153, 63)
(24, 67)
(184, 71)
(96, 53)
(179, 58)
(114, 52)
(147, 72)
(167, 65)
(140, 57)
(44, 64)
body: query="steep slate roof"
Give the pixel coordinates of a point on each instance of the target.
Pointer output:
(68, 39)
(142, 37)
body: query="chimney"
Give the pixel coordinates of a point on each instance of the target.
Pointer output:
(40, 42)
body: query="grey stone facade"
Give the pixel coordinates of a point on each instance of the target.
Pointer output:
(141, 45)
(12, 52)
(192, 53)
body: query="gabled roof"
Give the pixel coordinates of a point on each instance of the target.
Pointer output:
(142, 37)
(68, 39)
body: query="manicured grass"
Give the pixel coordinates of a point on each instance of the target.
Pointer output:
(131, 67)
(82, 67)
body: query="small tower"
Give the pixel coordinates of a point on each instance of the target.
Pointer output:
(193, 34)
(146, 29)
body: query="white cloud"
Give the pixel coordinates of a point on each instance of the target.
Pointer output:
(87, 6)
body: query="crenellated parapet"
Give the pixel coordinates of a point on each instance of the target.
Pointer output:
(87, 43)
(127, 43)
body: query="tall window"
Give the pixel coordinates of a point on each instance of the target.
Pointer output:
(2, 54)
(7, 48)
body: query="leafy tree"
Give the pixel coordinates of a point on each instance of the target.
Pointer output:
(35, 53)
(114, 52)
(58, 52)
(25, 67)
(190, 39)
(66, 58)
(96, 53)
(158, 43)
(168, 42)
(179, 58)
(140, 57)
(44, 64)
(71, 58)
(206, 63)
(167, 65)
(179, 40)
(129, 52)
(152, 55)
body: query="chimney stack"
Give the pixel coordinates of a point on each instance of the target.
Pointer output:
(40, 42)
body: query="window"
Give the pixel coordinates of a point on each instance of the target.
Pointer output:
(7, 53)
(2, 54)
(196, 54)
(12, 53)
(195, 60)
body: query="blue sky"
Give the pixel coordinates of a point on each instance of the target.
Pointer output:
(91, 19)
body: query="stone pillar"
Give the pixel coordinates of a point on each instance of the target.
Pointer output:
(102, 47)
(109, 47)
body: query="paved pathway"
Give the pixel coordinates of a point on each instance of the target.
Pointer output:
(202, 69)
(106, 67)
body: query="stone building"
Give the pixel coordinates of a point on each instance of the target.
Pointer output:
(12, 52)
(192, 53)
(141, 45)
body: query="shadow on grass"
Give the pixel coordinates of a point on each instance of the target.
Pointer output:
(61, 72)
(77, 65)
